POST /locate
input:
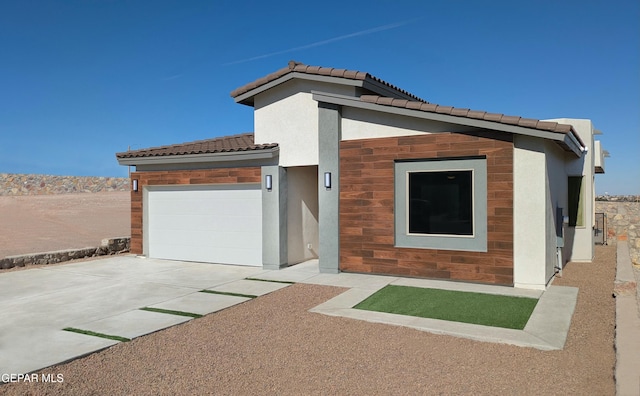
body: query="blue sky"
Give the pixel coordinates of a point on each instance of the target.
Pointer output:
(82, 80)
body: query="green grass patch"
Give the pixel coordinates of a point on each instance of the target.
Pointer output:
(477, 308)
(228, 293)
(93, 333)
(171, 312)
(270, 280)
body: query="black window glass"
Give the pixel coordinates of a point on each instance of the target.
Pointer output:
(576, 204)
(441, 203)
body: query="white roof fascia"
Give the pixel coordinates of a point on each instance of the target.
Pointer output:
(302, 76)
(574, 145)
(199, 158)
(342, 100)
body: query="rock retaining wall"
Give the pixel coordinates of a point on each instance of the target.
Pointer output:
(108, 247)
(17, 184)
(623, 223)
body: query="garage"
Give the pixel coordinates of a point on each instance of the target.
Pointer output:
(205, 223)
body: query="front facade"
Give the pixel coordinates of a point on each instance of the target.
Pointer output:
(366, 177)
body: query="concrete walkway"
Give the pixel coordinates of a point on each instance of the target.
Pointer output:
(107, 295)
(546, 330)
(627, 370)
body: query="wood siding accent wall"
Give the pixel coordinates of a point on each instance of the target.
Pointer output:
(367, 208)
(162, 178)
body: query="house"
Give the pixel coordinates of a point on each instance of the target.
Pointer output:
(366, 177)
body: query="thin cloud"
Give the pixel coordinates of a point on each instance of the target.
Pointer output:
(173, 77)
(324, 42)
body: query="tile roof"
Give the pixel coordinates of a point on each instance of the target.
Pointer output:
(475, 114)
(317, 70)
(225, 144)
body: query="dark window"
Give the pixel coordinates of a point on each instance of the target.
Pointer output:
(441, 203)
(576, 202)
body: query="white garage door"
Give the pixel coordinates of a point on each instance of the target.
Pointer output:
(214, 224)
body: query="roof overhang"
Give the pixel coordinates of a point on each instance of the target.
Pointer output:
(235, 156)
(567, 141)
(367, 83)
(598, 157)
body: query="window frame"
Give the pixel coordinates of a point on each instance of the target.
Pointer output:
(478, 240)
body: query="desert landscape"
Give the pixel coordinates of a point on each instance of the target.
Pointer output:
(42, 223)
(41, 213)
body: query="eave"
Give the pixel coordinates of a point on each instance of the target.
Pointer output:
(235, 156)
(567, 141)
(368, 84)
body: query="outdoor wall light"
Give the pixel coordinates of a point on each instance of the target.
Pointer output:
(134, 185)
(327, 180)
(268, 182)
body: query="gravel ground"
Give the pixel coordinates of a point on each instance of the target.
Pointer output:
(272, 345)
(33, 224)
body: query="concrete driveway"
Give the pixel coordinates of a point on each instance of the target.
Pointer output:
(105, 296)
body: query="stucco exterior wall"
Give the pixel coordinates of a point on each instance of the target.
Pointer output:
(302, 214)
(274, 218)
(529, 207)
(556, 197)
(288, 115)
(583, 247)
(540, 188)
(367, 124)
(367, 208)
(209, 176)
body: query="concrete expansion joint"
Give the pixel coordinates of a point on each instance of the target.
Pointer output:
(543, 344)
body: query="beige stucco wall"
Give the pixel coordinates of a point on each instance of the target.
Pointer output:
(556, 197)
(288, 115)
(541, 171)
(302, 214)
(583, 247)
(367, 124)
(529, 213)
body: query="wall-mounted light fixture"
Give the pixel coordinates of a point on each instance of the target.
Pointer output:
(134, 185)
(268, 182)
(327, 180)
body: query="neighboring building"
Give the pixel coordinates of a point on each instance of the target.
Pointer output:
(367, 177)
